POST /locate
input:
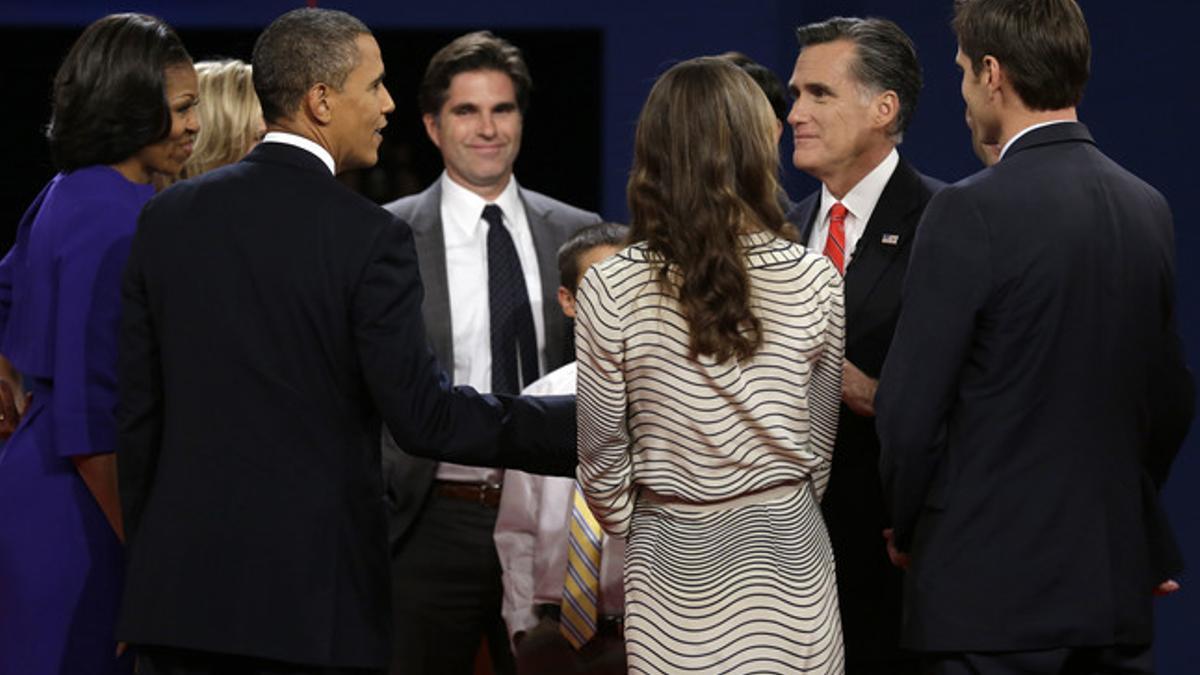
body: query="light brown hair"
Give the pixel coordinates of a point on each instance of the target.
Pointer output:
(705, 168)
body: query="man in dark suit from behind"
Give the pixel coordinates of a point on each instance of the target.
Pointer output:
(1036, 391)
(271, 317)
(495, 330)
(855, 85)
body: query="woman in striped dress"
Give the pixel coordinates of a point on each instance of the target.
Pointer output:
(710, 357)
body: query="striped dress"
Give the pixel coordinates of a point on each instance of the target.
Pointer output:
(713, 471)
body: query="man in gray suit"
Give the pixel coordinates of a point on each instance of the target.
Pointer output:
(487, 249)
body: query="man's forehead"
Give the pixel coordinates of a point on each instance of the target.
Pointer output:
(836, 55)
(482, 72)
(482, 82)
(370, 58)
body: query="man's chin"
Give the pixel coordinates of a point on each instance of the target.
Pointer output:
(804, 163)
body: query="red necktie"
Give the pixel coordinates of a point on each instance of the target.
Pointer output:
(835, 243)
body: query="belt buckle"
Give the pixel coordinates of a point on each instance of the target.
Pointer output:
(484, 489)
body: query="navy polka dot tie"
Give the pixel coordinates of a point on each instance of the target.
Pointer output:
(514, 344)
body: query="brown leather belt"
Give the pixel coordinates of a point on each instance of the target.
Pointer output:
(484, 494)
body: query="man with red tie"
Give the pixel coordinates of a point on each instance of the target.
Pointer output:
(855, 87)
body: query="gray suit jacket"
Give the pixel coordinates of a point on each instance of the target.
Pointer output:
(408, 479)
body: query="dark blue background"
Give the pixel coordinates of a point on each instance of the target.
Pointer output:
(1140, 106)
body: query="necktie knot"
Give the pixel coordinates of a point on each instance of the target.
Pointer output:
(838, 212)
(493, 215)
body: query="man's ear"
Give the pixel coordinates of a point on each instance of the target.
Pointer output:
(566, 301)
(318, 103)
(887, 108)
(991, 73)
(432, 129)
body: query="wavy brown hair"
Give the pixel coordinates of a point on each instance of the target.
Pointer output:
(705, 168)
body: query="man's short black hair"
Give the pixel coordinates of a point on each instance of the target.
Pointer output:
(299, 49)
(585, 239)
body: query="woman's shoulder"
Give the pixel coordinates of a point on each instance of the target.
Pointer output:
(85, 203)
(99, 188)
(101, 183)
(778, 260)
(764, 249)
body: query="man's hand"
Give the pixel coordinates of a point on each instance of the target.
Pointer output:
(898, 557)
(858, 390)
(1166, 588)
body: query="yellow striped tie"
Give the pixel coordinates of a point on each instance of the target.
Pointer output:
(581, 590)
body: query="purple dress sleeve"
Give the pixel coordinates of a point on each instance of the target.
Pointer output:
(61, 283)
(89, 264)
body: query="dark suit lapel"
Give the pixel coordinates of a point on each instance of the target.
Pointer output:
(430, 242)
(538, 216)
(889, 231)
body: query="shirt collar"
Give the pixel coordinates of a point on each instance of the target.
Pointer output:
(1026, 130)
(464, 209)
(860, 201)
(298, 141)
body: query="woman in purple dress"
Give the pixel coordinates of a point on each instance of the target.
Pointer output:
(124, 111)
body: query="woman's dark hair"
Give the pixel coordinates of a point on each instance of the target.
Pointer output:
(705, 168)
(110, 95)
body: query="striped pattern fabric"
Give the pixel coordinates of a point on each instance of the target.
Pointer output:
(714, 470)
(581, 589)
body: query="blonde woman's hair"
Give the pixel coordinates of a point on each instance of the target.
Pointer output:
(230, 116)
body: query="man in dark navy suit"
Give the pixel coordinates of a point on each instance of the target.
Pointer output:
(855, 85)
(271, 318)
(1036, 392)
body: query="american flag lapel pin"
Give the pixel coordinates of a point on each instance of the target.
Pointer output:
(890, 239)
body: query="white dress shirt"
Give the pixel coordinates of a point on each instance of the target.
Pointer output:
(860, 203)
(531, 535)
(303, 143)
(465, 235)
